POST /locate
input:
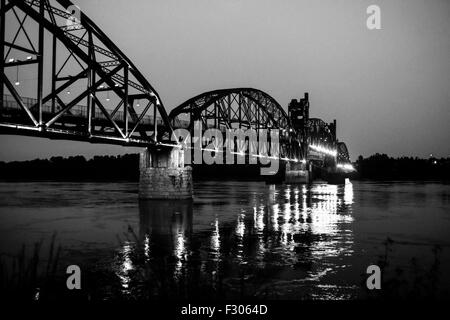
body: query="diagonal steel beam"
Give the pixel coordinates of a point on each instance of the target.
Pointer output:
(81, 96)
(61, 88)
(18, 99)
(140, 118)
(105, 112)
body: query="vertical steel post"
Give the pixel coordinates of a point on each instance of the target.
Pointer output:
(191, 133)
(334, 130)
(229, 108)
(2, 49)
(258, 118)
(54, 73)
(155, 122)
(90, 82)
(240, 110)
(125, 101)
(307, 105)
(40, 61)
(215, 114)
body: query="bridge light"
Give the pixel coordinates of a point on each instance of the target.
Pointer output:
(107, 96)
(345, 166)
(11, 60)
(29, 57)
(138, 104)
(325, 150)
(68, 90)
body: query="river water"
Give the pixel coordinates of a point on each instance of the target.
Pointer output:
(237, 239)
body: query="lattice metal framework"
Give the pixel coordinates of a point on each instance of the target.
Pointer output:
(321, 133)
(243, 108)
(85, 88)
(343, 155)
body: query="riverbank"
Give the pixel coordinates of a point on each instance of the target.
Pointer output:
(378, 167)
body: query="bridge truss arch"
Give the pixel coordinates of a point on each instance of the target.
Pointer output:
(320, 132)
(343, 156)
(232, 108)
(86, 88)
(239, 108)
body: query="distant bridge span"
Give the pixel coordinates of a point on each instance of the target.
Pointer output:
(249, 108)
(239, 108)
(234, 108)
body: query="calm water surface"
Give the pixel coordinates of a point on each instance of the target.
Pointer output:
(236, 239)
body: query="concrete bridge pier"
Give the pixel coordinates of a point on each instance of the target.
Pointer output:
(163, 175)
(298, 173)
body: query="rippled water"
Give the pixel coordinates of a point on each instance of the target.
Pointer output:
(236, 239)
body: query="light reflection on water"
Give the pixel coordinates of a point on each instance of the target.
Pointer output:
(236, 239)
(126, 267)
(294, 235)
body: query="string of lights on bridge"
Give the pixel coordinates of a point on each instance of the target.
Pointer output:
(317, 148)
(68, 91)
(241, 153)
(325, 150)
(345, 166)
(321, 149)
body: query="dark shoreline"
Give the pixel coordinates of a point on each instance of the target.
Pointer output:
(125, 168)
(203, 179)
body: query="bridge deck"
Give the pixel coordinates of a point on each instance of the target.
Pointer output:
(72, 124)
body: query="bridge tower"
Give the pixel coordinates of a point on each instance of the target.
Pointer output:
(299, 114)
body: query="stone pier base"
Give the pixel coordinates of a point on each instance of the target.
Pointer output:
(297, 176)
(297, 173)
(164, 176)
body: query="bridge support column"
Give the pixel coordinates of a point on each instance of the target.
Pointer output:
(163, 175)
(297, 173)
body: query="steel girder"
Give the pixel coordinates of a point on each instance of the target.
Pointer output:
(320, 133)
(343, 155)
(245, 108)
(79, 55)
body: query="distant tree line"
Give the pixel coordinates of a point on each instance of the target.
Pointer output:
(77, 168)
(126, 168)
(383, 167)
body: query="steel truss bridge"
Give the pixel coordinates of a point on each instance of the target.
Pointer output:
(300, 137)
(63, 78)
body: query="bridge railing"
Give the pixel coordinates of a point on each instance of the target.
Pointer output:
(80, 111)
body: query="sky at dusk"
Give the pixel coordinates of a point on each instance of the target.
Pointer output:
(389, 89)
